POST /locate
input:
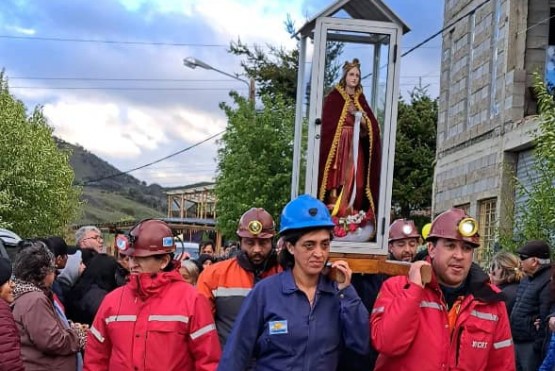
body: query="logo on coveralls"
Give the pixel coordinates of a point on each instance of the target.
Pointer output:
(479, 344)
(278, 327)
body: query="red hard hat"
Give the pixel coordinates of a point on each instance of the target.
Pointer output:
(455, 224)
(149, 237)
(401, 229)
(256, 223)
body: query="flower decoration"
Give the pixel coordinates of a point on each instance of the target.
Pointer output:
(350, 223)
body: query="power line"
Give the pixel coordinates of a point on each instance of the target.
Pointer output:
(153, 162)
(430, 38)
(119, 88)
(425, 41)
(63, 78)
(122, 42)
(535, 25)
(98, 41)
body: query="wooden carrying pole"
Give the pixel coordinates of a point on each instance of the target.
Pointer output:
(377, 264)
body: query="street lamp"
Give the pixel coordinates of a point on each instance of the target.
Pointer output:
(193, 63)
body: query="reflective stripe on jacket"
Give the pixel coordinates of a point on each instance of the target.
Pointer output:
(409, 327)
(153, 323)
(226, 284)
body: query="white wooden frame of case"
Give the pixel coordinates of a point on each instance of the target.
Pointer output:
(379, 247)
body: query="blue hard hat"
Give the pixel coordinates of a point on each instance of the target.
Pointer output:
(305, 212)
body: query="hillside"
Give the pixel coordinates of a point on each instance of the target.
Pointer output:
(110, 198)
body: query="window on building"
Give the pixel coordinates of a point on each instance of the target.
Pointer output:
(465, 207)
(486, 222)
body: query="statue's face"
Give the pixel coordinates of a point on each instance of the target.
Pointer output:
(352, 78)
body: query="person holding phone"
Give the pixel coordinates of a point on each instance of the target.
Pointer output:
(300, 318)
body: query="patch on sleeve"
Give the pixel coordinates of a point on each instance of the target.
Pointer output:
(278, 327)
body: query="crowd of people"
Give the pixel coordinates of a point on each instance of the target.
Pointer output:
(275, 301)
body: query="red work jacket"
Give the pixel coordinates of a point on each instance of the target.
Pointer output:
(154, 322)
(409, 328)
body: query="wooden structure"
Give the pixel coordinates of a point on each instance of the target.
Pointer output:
(192, 202)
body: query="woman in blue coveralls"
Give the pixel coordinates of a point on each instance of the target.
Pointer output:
(299, 319)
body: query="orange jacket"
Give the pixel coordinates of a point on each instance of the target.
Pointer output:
(226, 284)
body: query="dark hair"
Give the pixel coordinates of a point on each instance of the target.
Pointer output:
(57, 245)
(204, 257)
(33, 262)
(101, 271)
(171, 265)
(87, 255)
(286, 259)
(205, 243)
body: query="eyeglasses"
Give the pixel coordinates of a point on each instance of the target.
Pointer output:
(98, 238)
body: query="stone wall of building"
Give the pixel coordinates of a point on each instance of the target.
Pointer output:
(485, 77)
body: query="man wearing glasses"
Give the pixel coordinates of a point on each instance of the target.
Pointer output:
(90, 237)
(532, 306)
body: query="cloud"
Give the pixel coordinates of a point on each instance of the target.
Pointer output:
(149, 105)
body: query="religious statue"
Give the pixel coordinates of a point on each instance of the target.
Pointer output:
(350, 157)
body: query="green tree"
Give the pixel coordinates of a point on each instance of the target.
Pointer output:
(536, 216)
(275, 69)
(254, 159)
(414, 153)
(36, 193)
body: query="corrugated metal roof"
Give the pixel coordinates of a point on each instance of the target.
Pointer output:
(371, 10)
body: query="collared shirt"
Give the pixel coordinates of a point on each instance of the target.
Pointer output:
(281, 331)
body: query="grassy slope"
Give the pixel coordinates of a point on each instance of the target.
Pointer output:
(106, 206)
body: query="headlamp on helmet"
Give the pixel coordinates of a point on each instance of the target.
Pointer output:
(407, 229)
(122, 242)
(455, 224)
(468, 227)
(256, 223)
(146, 238)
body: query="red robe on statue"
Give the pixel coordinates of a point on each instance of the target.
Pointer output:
(336, 165)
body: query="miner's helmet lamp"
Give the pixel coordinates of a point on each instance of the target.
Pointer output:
(468, 227)
(455, 224)
(256, 223)
(401, 229)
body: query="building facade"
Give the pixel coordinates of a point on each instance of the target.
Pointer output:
(487, 108)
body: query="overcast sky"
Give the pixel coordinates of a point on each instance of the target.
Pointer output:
(127, 98)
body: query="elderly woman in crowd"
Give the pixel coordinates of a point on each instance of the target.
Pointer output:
(505, 273)
(48, 342)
